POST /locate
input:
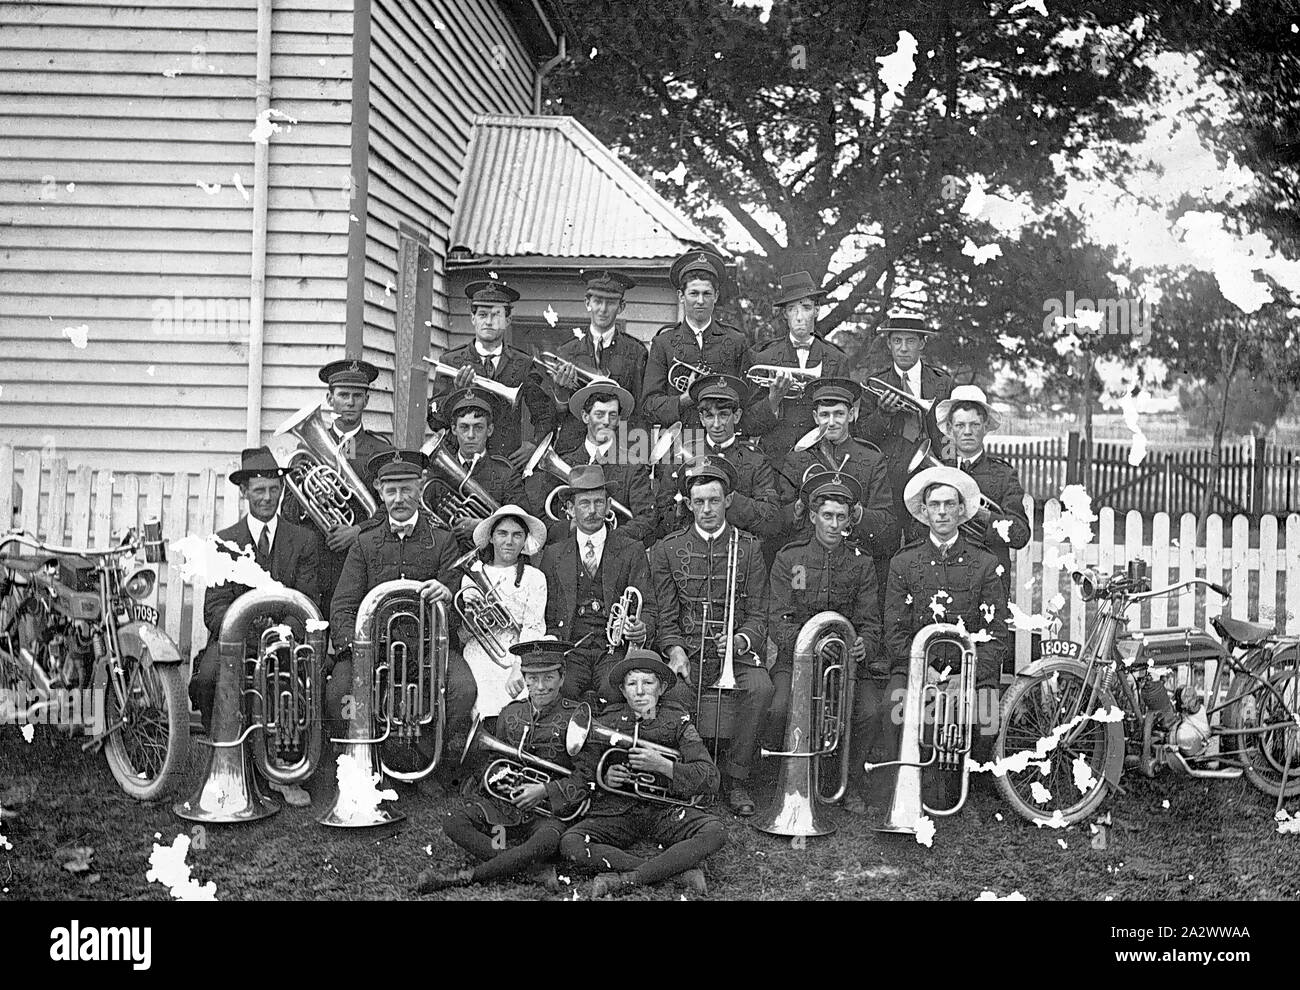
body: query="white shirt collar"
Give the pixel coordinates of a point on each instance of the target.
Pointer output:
(255, 527)
(484, 353)
(605, 338)
(596, 453)
(802, 347)
(698, 331)
(710, 536)
(472, 459)
(971, 461)
(913, 376)
(720, 446)
(597, 538)
(345, 436)
(944, 546)
(404, 528)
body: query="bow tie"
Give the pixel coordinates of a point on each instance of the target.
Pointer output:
(403, 530)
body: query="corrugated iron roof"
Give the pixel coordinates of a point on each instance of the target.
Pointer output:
(545, 187)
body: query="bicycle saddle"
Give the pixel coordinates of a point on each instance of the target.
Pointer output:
(1241, 632)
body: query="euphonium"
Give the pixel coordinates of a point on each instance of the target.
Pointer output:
(880, 388)
(643, 786)
(822, 688)
(503, 778)
(765, 375)
(681, 376)
(450, 494)
(624, 611)
(553, 464)
(489, 385)
(487, 618)
(283, 680)
(954, 727)
(320, 477)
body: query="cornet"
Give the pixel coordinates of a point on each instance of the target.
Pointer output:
(880, 389)
(622, 613)
(643, 786)
(765, 375)
(489, 385)
(681, 376)
(320, 477)
(551, 362)
(488, 619)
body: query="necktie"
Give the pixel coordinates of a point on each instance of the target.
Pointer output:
(599, 349)
(963, 465)
(589, 558)
(489, 366)
(264, 544)
(912, 422)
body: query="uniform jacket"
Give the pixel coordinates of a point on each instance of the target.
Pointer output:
(379, 556)
(693, 774)
(623, 565)
(514, 368)
(886, 432)
(295, 563)
(778, 433)
(688, 570)
(807, 578)
(725, 352)
(630, 485)
(543, 733)
(624, 361)
(971, 589)
(998, 480)
(755, 506)
(878, 530)
(503, 483)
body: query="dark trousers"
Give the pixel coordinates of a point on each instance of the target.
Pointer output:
(502, 850)
(752, 698)
(598, 843)
(586, 675)
(203, 682)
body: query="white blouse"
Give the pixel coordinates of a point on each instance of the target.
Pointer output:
(527, 603)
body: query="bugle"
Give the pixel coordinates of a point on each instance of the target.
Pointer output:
(953, 733)
(505, 777)
(487, 618)
(553, 464)
(880, 388)
(822, 688)
(490, 385)
(643, 786)
(320, 477)
(450, 494)
(765, 376)
(681, 376)
(623, 612)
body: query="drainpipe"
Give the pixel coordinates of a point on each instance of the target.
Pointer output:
(257, 290)
(545, 71)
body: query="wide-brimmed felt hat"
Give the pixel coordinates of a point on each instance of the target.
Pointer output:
(831, 483)
(606, 282)
(960, 480)
(642, 659)
(585, 478)
(966, 393)
(348, 371)
(536, 529)
(704, 260)
(396, 464)
(626, 403)
(906, 323)
(489, 292)
(796, 286)
(537, 656)
(256, 462)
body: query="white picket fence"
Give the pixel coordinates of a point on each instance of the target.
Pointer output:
(81, 507)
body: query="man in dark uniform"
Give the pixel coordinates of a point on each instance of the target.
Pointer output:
(872, 522)
(888, 423)
(966, 417)
(777, 414)
(522, 834)
(290, 554)
(689, 571)
(941, 578)
(819, 572)
(601, 349)
(488, 356)
(401, 543)
(754, 507)
(698, 340)
(617, 820)
(349, 382)
(586, 574)
(600, 407)
(472, 427)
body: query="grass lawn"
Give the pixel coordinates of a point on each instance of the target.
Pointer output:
(1215, 840)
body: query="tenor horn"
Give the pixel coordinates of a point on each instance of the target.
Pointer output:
(482, 611)
(954, 727)
(643, 786)
(490, 385)
(320, 477)
(450, 494)
(819, 724)
(283, 682)
(503, 778)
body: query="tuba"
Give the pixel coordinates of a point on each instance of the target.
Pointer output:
(320, 477)
(283, 684)
(553, 464)
(490, 385)
(954, 727)
(450, 494)
(765, 375)
(503, 778)
(487, 618)
(644, 786)
(822, 689)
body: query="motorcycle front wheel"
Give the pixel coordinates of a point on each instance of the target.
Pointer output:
(1266, 753)
(147, 752)
(1070, 777)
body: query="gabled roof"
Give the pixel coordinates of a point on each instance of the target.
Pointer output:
(545, 187)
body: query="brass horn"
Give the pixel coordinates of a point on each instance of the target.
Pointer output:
(880, 388)
(450, 494)
(503, 778)
(556, 466)
(626, 610)
(644, 786)
(954, 727)
(489, 620)
(320, 477)
(286, 688)
(551, 362)
(822, 689)
(924, 459)
(681, 376)
(765, 375)
(489, 385)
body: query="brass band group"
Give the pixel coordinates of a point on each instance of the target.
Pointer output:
(699, 579)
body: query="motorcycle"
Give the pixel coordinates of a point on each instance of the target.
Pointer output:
(1083, 713)
(80, 647)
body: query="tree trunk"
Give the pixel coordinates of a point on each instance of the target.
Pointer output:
(1216, 454)
(1085, 413)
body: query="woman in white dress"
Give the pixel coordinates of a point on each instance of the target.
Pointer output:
(505, 541)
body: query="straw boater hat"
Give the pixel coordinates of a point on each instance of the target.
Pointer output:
(966, 393)
(960, 480)
(906, 323)
(536, 531)
(602, 385)
(641, 659)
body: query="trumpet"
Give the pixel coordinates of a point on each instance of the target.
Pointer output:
(320, 477)
(682, 376)
(643, 786)
(954, 728)
(450, 494)
(489, 385)
(504, 778)
(488, 618)
(623, 612)
(880, 388)
(765, 376)
(553, 464)
(551, 363)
